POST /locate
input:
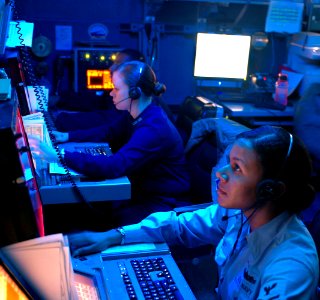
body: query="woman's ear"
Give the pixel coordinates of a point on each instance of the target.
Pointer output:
(270, 189)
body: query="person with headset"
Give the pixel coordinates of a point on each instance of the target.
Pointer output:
(67, 121)
(150, 151)
(263, 249)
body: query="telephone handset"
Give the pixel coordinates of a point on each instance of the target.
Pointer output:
(42, 102)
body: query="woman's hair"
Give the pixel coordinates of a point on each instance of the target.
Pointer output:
(125, 55)
(284, 158)
(132, 54)
(141, 76)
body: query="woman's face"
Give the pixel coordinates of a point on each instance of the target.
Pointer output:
(120, 92)
(239, 179)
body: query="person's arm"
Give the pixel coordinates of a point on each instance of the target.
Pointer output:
(60, 137)
(109, 132)
(191, 229)
(146, 145)
(196, 228)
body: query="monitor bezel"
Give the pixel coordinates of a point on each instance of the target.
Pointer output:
(5, 18)
(206, 45)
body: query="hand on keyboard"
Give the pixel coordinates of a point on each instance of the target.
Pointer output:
(88, 242)
(41, 150)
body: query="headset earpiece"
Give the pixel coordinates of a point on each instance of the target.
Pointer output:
(268, 190)
(271, 189)
(135, 92)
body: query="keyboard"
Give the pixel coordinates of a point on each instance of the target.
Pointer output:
(154, 278)
(58, 170)
(150, 276)
(231, 96)
(56, 186)
(265, 100)
(95, 150)
(139, 271)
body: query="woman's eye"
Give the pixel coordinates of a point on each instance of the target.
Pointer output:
(236, 168)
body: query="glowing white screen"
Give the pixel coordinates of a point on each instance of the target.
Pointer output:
(222, 56)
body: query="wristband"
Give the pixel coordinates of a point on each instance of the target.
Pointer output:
(123, 234)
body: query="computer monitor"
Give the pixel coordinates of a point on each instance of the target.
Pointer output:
(92, 69)
(12, 283)
(5, 17)
(221, 60)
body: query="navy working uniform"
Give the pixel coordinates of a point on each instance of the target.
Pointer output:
(258, 268)
(151, 154)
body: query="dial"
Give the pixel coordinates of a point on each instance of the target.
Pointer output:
(98, 31)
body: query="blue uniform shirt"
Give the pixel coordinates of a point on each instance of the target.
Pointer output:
(152, 155)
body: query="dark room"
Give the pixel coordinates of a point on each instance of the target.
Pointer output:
(160, 149)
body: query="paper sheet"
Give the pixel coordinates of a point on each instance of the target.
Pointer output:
(23, 38)
(38, 98)
(294, 79)
(284, 17)
(57, 168)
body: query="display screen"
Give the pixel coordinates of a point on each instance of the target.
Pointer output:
(221, 57)
(99, 79)
(85, 287)
(10, 289)
(12, 284)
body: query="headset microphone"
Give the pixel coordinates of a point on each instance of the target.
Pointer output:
(121, 100)
(225, 218)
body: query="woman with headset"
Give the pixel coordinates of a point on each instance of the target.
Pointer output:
(150, 152)
(263, 249)
(67, 121)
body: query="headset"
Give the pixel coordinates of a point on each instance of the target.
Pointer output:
(269, 189)
(135, 91)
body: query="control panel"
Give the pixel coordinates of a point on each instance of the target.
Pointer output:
(261, 83)
(91, 68)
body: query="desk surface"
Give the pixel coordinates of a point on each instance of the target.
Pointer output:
(94, 191)
(238, 109)
(254, 116)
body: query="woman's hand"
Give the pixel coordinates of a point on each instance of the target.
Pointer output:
(91, 242)
(61, 137)
(41, 150)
